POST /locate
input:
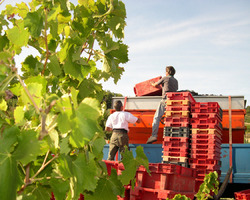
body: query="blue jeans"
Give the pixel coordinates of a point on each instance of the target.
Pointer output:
(157, 117)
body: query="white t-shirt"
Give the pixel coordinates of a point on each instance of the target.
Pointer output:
(120, 120)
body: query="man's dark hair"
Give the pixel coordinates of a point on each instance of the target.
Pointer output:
(170, 70)
(118, 105)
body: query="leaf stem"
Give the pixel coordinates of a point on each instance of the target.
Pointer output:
(44, 165)
(46, 42)
(28, 93)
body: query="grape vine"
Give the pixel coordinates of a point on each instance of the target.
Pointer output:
(50, 139)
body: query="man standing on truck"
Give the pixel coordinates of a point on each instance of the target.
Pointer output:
(169, 84)
(117, 122)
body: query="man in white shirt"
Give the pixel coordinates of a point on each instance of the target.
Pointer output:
(118, 123)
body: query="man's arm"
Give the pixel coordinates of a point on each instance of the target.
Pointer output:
(108, 129)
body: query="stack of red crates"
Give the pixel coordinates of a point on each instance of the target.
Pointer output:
(177, 128)
(206, 137)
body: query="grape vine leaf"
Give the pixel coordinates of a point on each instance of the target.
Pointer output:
(85, 171)
(105, 185)
(28, 147)
(8, 167)
(34, 22)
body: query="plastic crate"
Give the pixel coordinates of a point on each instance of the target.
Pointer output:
(215, 156)
(177, 119)
(175, 154)
(174, 159)
(205, 161)
(177, 108)
(176, 149)
(176, 139)
(177, 114)
(206, 131)
(203, 125)
(176, 131)
(146, 89)
(205, 146)
(206, 107)
(181, 96)
(211, 141)
(206, 116)
(215, 151)
(177, 124)
(178, 103)
(183, 164)
(204, 166)
(244, 194)
(166, 177)
(207, 136)
(175, 144)
(117, 165)
(140, 193)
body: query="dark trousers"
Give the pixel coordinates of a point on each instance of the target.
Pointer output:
(119, 140)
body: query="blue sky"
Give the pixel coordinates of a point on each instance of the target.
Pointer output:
(207, 41)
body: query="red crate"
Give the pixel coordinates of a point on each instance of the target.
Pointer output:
(204, 166)
(214, 151)
(174, 159)
(141, 193)
(244, 194)
(204, 161)
(177, 108)
(175, 154)
(177, 124)
(117, 165)
(207, 126)
(206, 116)
(206, 131)
(215, 156)
(176, 149)
(177, 114)
(216, 137)
(205, 121)
(146, 89)
(178, 103)
(175, 144)
(206, 107)
(205, 146)
(165, 177)
(176, 139)
(206, 141)
(176, 119)
(180, 96)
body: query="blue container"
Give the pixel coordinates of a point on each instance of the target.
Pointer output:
(241, 159)
(241, 162)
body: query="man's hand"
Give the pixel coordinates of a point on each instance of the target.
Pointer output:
(153, 84)
(108, 129)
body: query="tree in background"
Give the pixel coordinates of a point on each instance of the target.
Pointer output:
(51, 139)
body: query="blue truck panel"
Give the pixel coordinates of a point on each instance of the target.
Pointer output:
(241, 159)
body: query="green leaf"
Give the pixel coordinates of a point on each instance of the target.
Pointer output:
(18, 36)
(54, 140)
(34, 22)
(8, 167)
(64, 146)
(64, 166)
(23, 9)
(105, 185)
(28, 147)
(85, 171)
(41, 192)
(54, 66)
(59, 188)
(63, 123)
(35, 90)
(19, 115)
(97, 146)
(73, 69)
(31, 66)
(89, 108)
(3, 105)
